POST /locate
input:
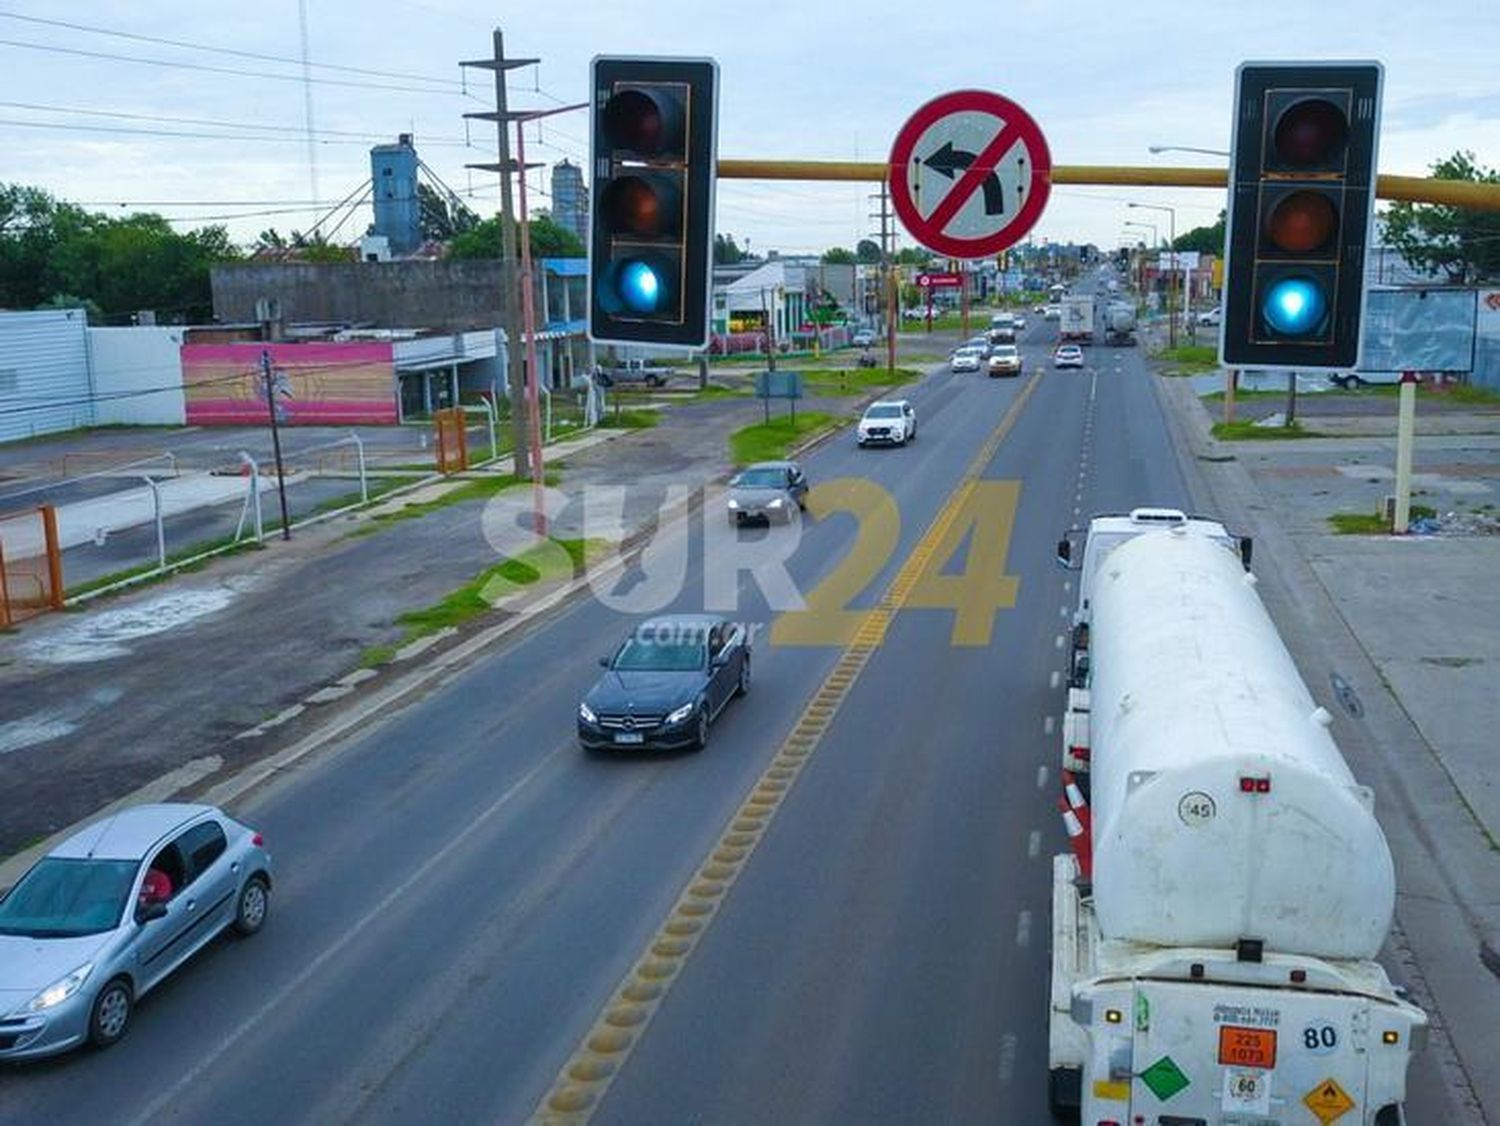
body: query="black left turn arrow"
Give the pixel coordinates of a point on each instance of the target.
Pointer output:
(948, 160)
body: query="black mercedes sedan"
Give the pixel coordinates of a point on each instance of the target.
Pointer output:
(666, 683)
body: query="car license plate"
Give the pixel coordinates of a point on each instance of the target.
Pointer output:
(1247, 1047)
(629, 737)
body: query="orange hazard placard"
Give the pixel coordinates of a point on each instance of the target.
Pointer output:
(1328, 1101)
(1247, 1047)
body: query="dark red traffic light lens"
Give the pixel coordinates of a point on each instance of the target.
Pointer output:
(635, 120)
(1311, 132)
(1302, 222)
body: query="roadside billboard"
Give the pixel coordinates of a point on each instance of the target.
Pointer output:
(330, 384)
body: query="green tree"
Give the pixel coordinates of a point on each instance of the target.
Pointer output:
(1205, 240)
(442, 217)
(838, 256)
(867, 252)
(1459, 242)
(913, 256)
(726, 252)
(548, 240)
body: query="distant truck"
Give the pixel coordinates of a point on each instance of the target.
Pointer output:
(1002, 329)
(1076, 319)
(633, 371)
(1119, 323)
(1214, 933)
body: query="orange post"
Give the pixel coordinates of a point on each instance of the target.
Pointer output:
(4, 592)
(54, 556)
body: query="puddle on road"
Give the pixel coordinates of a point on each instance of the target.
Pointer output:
(102, 636)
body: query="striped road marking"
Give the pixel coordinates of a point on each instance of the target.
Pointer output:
(580, 1086)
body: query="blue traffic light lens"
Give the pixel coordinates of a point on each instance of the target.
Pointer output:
(640, 287)
(1294, 306)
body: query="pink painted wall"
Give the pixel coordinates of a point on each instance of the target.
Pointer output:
(331, 384)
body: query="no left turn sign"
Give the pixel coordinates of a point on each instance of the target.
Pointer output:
(970, 173)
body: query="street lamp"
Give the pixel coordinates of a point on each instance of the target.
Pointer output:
(1141, 261)
(1172, 236)
(1186, 148)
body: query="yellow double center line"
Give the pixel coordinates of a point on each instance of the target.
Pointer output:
(581, 1084)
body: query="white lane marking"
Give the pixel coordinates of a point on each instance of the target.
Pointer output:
(1055, 680)
(1023, 929)
(1041, 777)
(212, 1055)
(1060, 641)
(1078, 510)
(1049, 725)
(1007, 1058)
(1034, 843)
(1062, 612)
(1067, 584)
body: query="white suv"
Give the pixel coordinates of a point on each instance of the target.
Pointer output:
(892, 421)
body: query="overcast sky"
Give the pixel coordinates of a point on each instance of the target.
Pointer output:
(808, 80)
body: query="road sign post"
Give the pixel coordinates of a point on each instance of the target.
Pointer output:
(970, 173)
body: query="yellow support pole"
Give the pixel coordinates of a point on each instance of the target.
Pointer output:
(1412, 189)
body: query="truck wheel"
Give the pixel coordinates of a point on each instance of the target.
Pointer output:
(1065, 1093)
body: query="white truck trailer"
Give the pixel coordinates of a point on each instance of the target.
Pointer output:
(1214, 963)
(1076, 323)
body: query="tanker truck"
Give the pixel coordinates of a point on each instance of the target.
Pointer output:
(1215, 929)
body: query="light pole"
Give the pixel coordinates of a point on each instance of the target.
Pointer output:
(1155, 245)
(1186, 148)
(1172, 236)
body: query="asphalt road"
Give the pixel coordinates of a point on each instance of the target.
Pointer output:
(461, 889)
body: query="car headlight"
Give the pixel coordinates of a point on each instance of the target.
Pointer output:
(776, 503)
(586, 714)
(733, 504)
(681, 713)
(60, 990)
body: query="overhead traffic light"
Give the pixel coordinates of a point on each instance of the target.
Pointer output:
(1301, 205)
(654, 149)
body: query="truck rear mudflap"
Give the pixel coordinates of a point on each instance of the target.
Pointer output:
(1178, 1053)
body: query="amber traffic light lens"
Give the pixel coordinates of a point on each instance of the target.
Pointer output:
(632, 206)
(1311, 132)
(1302, 222)
(633, 120)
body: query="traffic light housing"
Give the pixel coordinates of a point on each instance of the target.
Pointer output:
(654, 142)
(1301, 207)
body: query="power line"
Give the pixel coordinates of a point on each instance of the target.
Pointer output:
(205, 67)
(172, 120)
(227, 50)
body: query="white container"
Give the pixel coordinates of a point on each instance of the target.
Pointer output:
(1193, 697)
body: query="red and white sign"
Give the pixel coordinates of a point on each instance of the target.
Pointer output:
(970, 173)
(940, 281)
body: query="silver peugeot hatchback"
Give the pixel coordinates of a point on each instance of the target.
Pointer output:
(114, 909)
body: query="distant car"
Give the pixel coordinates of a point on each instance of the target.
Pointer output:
(1019, 321)
(1005, 334)
(1005, 360)
(105, 916)
(1039, 310)
(891, 422)
(965, 359)
(1053, 312)
(863, 338)
(1350, 380)
(665, 684)
(976, 344)
(768, 490)
(1211, 317)
(1067, 356)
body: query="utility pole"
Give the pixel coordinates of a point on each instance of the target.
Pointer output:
(887, 266)
(515, 368)
(268, 377)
